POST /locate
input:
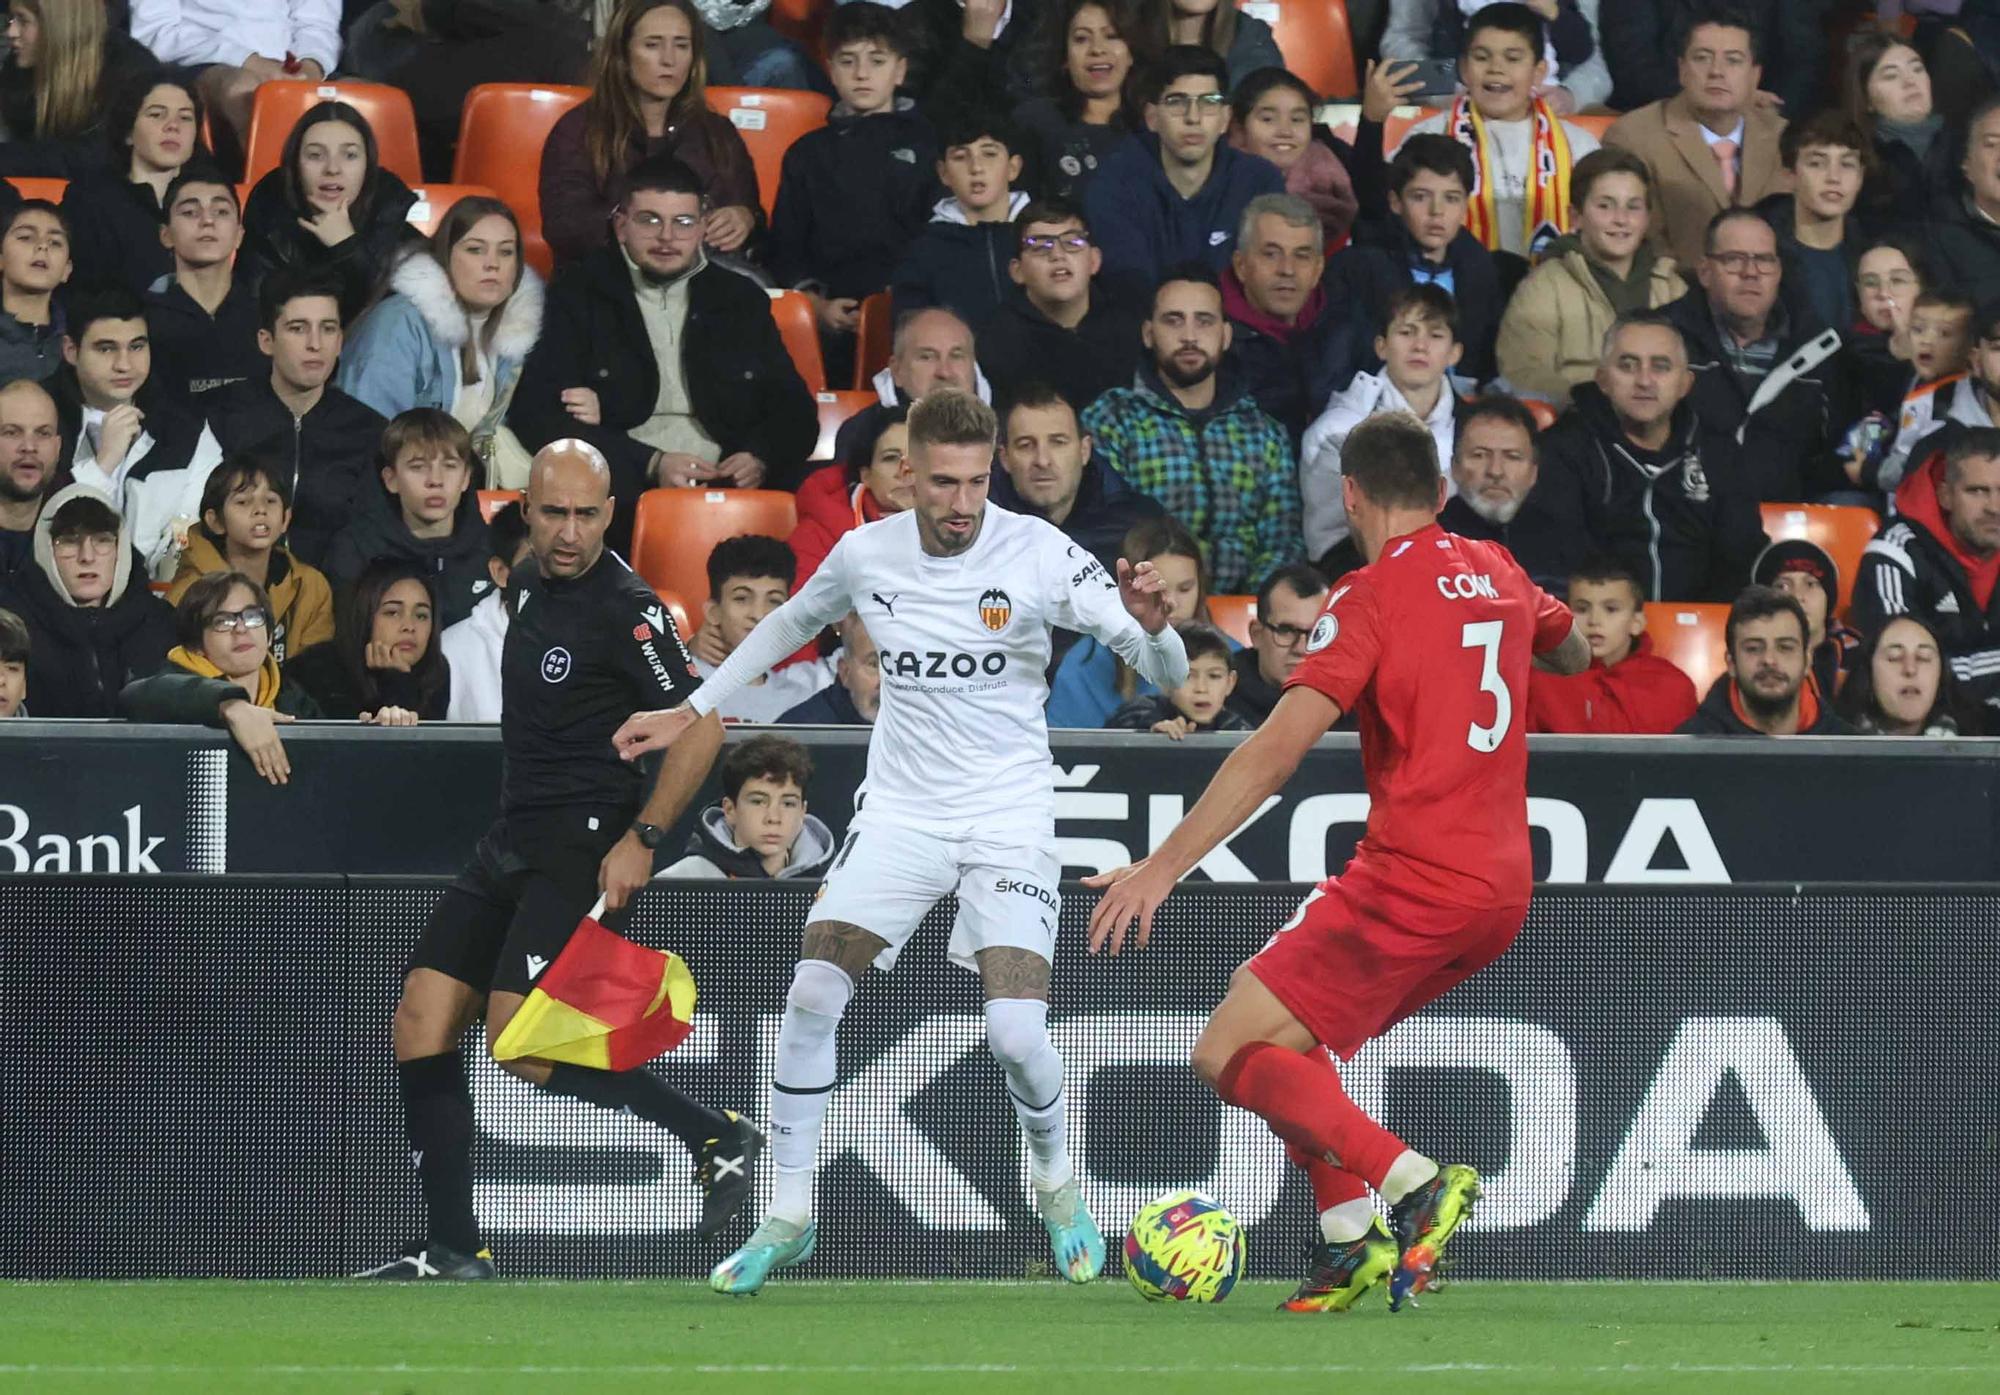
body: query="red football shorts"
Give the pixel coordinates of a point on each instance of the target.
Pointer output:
(1360, 956)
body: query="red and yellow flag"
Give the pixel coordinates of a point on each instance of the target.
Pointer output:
(605, 1003)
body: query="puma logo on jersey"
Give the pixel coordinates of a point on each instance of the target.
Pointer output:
(887, 602)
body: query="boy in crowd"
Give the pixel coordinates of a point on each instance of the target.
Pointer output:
(1200, 703)
(1627, 688)
(429, 514)
(1827, 156)
(1521, 151)
(245, 509)
(290, 413)
(1059, 330)
(748, 578)
(1806, 572)
(761, 827)
(472, 646)
(151, 458)
(1426, 242)
(1419, 347)
(14, 645)
(204, 320)
(34, 260)
(1948, 385)
(854, 194)
(960, 259)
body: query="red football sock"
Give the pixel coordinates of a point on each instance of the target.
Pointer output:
(1331, 1186)
(1301, 1099)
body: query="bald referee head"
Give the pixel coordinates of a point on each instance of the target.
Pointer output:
(569, 507)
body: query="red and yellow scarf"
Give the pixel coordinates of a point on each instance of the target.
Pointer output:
(1548, 176)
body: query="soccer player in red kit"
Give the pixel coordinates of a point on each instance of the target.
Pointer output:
(1431, 644)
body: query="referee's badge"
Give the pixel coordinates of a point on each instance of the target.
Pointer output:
(995, 610)
(555, 665)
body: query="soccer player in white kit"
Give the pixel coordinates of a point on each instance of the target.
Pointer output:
(959, 596)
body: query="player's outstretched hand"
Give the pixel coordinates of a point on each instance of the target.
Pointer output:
(652, 731)
(1143, 591)
(1132, 892)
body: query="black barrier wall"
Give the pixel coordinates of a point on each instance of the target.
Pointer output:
(91, 797)
(1745, 1082)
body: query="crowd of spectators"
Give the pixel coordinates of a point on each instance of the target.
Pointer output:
(1646, 269)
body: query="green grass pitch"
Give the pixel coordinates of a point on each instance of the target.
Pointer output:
(218, 1338)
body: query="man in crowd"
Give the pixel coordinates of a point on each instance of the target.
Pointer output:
(670, 366)
(30, 447)
(1189, 434)
(1051, 471)
(1061, 330)
(1712, 145)
(1294, 349)
(1761, 374)
(1628, 471)
(1288, 603)
(1765, 691)
(1641, 37)
(1940, 559)
(930, 348)
(855, 695)
(1494, 462)
(293, 417)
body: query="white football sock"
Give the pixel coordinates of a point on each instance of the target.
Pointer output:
(803, 1082)
(1017, 1033)
(1410, 1171)
(1347, 1222)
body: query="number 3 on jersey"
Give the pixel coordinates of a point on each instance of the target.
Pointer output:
(1484, 635)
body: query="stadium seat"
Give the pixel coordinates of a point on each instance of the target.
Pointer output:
(800, 330)
(1544, 414)
(873, 339)
(1597, 123)
(501, 132)
(834, 409)
(1232, 615)
(803, 22)
(279, 105)
(1843, 531)
(1316, 41)
(435, 200)
(677, 608)
(491, 501)
(769, 119)
(675, 529)
(50, 189)
(1690, 637)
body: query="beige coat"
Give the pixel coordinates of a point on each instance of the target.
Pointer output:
(1554, 328)
(1687, 178)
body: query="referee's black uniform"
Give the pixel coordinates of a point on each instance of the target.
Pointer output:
(581, 655)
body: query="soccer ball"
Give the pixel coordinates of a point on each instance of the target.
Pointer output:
(1184, 1247)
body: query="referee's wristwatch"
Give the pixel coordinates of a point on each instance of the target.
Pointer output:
(650, 835)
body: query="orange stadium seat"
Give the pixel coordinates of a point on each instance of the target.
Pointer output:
(675, 529)
(435, 200)
(1597, 123)
(501, 132)
(874, 338)
(1232, 615)
(677, 608)
(1690, 637)
(1544, 414)
(1843, 531)
(51, 190)
(279, 105)
(769, 119)
(1316, 40)
(834, 410)
(491, 501)
(800, 330)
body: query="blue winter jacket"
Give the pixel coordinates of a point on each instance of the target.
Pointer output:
(1145, 227)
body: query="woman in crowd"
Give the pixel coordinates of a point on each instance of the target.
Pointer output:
(461, 315)
(1552, 333)
(1889, 275)
(65, 60)
(1082, 117)
(1092, 682)
(329, 205)
(1902, 686)
(384, 656)
(648, 95)
(1888, 93)
(1271, 114)
(1242, 41)
(837, 499)
(115, 214)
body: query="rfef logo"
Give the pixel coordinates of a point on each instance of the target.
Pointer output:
(995, 610)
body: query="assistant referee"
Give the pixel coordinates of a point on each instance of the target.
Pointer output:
(588, 644)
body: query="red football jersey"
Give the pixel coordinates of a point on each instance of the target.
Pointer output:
(1431, 645)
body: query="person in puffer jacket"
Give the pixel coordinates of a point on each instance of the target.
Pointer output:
(761, 827)
(961, 257)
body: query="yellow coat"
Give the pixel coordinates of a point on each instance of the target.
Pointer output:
(1554, 328)
(301, 600)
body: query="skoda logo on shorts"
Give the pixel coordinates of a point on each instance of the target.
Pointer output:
(555, 665)
(1324, 630)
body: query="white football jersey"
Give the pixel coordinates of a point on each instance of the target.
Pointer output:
(961, 744)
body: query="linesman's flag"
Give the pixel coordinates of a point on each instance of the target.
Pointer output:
(605, 1002)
